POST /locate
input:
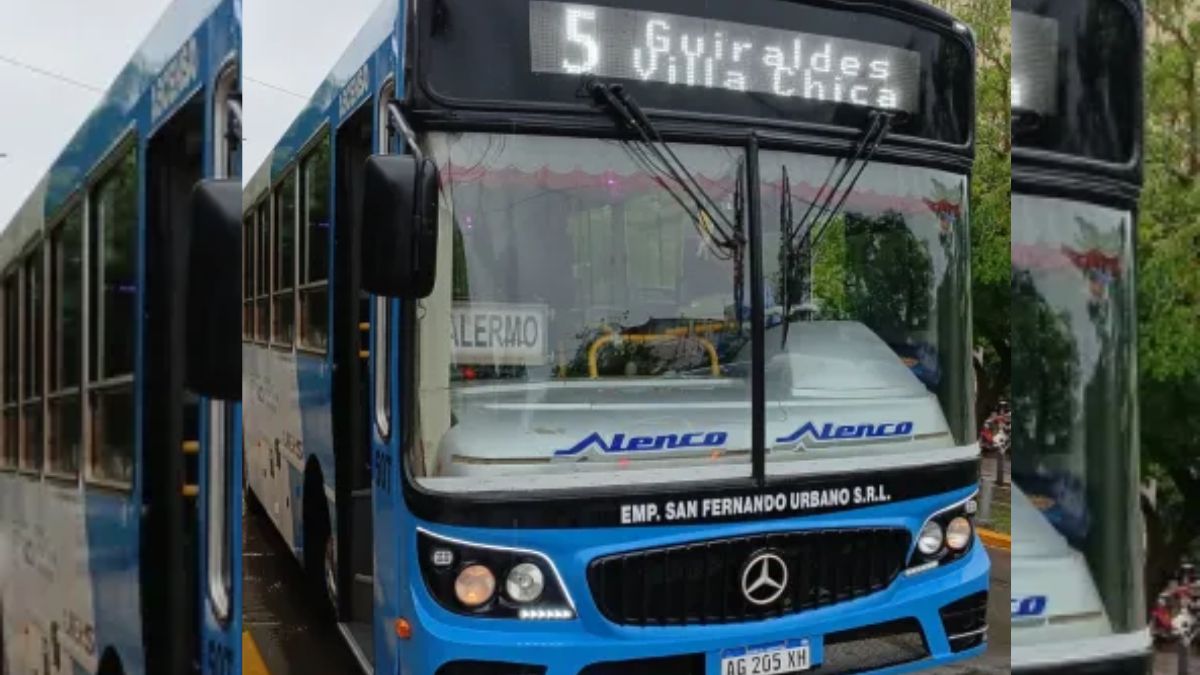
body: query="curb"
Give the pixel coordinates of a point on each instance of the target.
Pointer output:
(993, 539)
(252, 661)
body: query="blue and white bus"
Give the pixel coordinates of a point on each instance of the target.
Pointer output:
(1078, 603)
(586, 338)
(120, 455)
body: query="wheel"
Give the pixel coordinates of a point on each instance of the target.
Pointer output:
(320, 549)
(110, 663)
(253, 504)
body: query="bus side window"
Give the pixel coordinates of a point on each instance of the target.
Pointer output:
(388, 139)
(262, 271)
(314, 264)
(10, 438)
(31, 353)
(66, 328)
(112, 277)
(248, 277)
(283, 238)
(383, 399)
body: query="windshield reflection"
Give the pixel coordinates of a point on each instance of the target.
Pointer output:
(1074, 416)
(595, 329)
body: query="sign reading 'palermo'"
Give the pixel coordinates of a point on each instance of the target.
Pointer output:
(483, 333)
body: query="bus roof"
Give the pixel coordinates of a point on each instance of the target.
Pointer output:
(372, 45)
(126, 105)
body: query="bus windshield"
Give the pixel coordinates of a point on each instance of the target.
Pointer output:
(1074, 418)
(583, 325)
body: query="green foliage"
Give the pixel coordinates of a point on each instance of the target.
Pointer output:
(1046, 372)
(829, 273)
(990, 196)
(888, 274)
(1169, 283)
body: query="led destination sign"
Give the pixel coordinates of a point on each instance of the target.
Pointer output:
(574, 39)
(1034, 63)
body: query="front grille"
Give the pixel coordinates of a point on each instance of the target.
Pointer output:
(965, 621)
(701, 582)
(489, 668)
(686, 664)
(873, 647)
(1134, 664)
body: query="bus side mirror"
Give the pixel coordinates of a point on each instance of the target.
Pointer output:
(399, 226)
(213, 359)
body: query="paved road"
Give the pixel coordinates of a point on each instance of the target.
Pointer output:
(294, 639)
(987, 468)
(291, 636)
(996, 660)
(1166, 662)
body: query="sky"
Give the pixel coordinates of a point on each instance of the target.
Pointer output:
(289, 45)
(85, 45)
(58, 56)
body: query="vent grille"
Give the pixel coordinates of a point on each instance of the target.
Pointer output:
(701, 582)
(965, 621)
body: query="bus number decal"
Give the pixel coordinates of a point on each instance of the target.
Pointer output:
(220, 658)
(383, 470)
(178, 76)
(354, 90)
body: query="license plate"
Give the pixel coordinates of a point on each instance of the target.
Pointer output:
(780, 657)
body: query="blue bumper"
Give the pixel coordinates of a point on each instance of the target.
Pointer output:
(569, 647)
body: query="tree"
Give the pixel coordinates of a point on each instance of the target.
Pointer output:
(1169, 287)
(1046, 370)
(990, 199)
(888, 273)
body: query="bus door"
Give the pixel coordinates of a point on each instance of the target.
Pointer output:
(213, 371)
(175, 156)
(353, 144)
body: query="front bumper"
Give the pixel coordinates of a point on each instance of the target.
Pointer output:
(1109, 654)
(1135, 664)
(900, 629)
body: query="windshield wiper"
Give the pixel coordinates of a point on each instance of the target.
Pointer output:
(722, 234)
(785, 236)
(803, 237)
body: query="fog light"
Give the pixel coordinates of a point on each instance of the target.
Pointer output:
(958, 534)
(525, 583)
(475, 585)
(929, 541)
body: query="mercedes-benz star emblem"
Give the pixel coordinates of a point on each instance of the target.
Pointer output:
(764, 578)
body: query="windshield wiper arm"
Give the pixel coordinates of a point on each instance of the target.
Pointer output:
(825, 193)
(659, 158)
(786, 223)
(868, 155)
(652, 133)
(807, 235)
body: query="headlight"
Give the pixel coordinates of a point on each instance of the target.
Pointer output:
(929, 541)
(945, 537)
(486, 581)
(474, 586)
(525, 583)
(958, 534)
